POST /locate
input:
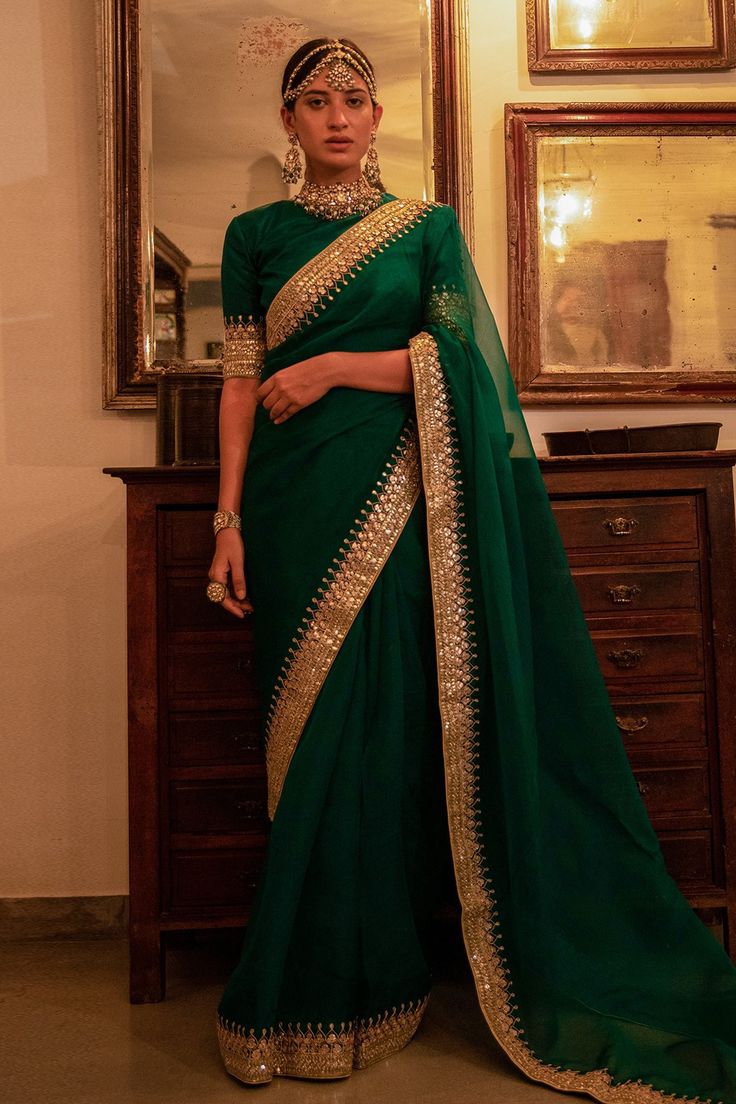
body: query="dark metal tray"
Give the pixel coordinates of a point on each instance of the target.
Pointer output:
(677, 437)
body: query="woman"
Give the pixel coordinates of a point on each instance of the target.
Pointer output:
(426, 667)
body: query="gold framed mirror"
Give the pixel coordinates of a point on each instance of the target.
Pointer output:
(622, 252)
(190, 134)
(572, 36)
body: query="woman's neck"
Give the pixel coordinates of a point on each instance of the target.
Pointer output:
(324, 179)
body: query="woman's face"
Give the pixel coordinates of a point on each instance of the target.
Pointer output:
(333, 128)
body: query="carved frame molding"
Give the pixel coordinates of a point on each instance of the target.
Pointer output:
(543, 58)
(523, 124)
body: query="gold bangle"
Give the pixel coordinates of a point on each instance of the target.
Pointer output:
(225, 519)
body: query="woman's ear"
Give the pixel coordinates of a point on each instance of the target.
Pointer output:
(377, 113)
(287, 118)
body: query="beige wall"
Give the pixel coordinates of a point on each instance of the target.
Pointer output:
(64, 793)
(64, 798)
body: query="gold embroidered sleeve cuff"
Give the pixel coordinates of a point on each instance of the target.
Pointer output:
(449, 307)
(245, 347)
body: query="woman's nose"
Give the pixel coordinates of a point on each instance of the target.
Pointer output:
(337, 117)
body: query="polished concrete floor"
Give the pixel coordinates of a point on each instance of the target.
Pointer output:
(69, 1036)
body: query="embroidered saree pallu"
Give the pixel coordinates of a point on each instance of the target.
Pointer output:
(431, 691)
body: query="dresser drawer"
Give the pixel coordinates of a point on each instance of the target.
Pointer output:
(645, 655)
(649, 587)
(220, 805)
(688, 857)
(198, 739)
(188, 537)
(675, 788)
(218, 670)
(667, 522)
(188, 609)
(674, 719)
(207, 879)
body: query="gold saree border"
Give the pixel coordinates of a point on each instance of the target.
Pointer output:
(317, 282)
(332, 611)
(457, 668)
(332, 1051)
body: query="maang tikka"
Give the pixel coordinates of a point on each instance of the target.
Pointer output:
(292, 167)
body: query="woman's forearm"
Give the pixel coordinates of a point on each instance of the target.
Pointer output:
(388, 370)
(237, 411)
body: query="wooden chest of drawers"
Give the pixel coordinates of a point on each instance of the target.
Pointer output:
(197, 790)
(651, 545)
(650, 540)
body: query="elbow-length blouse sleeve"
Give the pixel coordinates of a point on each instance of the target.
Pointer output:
(444, 293)
(245, 325)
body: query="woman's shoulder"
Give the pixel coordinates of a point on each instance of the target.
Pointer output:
(257, 220)
(437, 215)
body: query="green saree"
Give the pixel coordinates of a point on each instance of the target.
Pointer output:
(432, 701)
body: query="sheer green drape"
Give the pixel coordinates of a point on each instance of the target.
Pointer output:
(608, 967)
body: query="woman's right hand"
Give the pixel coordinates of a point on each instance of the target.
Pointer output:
(229, 560)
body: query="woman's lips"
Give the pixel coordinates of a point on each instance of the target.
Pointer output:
(339, 142)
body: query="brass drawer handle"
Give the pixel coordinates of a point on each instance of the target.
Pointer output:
(620, 526)
(626, 657)
(642, 787)
(623, 594)
(632, 724)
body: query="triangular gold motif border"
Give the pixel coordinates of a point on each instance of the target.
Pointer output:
(333, 610)
(456, 654)
(311, 288)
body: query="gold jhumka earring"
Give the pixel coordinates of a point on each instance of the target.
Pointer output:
(372, 169)
(292, 167)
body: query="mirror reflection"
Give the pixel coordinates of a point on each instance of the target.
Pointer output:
(637, 248)
(616, 24)
(214, 145)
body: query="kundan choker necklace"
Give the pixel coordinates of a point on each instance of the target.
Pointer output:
(333, 201)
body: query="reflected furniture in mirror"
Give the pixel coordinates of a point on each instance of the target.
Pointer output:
(622, 252)
(189, 118)
(568, 36)
(651, 544)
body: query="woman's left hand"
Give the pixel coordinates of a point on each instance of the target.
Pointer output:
(291, 389)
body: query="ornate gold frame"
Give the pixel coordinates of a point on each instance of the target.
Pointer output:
(525, 123)
(126, 383)
(543, 58)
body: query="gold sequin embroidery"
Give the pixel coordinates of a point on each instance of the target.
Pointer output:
(332, 612)
(448, 307)
(317, 282)
(457, 669)
(293, 1050)
(245, 347)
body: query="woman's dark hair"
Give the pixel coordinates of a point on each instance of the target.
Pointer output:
(317, 60)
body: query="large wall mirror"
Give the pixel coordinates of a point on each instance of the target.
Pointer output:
(622, 252)
(191, 135)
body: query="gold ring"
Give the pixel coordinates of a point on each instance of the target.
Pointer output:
(216, 591)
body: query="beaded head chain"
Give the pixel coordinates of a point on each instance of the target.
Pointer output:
(339, 59)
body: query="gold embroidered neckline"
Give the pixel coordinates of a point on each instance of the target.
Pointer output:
(333, 201)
